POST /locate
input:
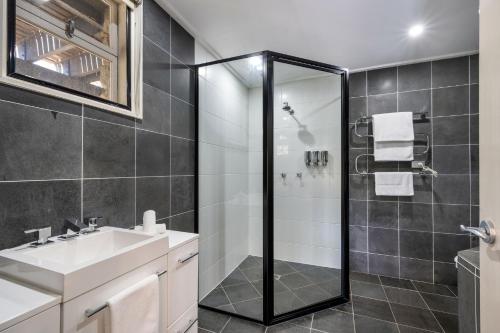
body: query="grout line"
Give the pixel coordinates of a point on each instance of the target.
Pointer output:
(428, 307)
(227, 322)
(81, 171)
(390, 307)
(367, 185)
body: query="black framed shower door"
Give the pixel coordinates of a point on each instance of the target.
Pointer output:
(270, 58)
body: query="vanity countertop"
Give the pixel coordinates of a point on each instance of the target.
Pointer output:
(178, 238)
(18, 303)
(470, 256)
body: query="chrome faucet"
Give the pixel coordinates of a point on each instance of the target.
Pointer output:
(42, 235)
(91, 222)
(70, 224)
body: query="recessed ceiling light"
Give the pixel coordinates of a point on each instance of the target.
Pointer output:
(416, 30)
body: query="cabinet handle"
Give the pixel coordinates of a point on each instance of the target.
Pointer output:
(189, 325)
(189, 257)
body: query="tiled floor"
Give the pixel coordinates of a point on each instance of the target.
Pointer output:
(379, 305)
(295, 286)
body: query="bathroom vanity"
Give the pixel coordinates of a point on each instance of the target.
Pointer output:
(468, 290)
(83, 273)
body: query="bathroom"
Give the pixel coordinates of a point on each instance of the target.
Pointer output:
(248, 166)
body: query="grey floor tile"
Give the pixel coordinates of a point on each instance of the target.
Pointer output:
(228, 308)
(368, 290)
(408, 329)
(212, 321)
(201, 330)
(282, 268)
(398, 283)
(370, 325)
(286, 301)
(372, 308)
(333, 287)
(215, 298)
(321, 274)
(241, 292)
(236, 325)
(433, 288)
(405, 297)
(346, 307)
(287, 328)
(252, 309)
(312, 294)
(415, 317)
(236, 277)
(363, 277)
(441, 303)
(448, 322)
(254, 274)
(304, 321)
(333, 321)
(299, 267)
(250, 262)
(295, 280)
(278, 287)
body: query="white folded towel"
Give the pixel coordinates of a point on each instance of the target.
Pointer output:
(393, 136)
(395, 126)
(136, 309)
(393, 151)
(394, 183)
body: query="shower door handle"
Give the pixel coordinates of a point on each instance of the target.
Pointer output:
(486, 231)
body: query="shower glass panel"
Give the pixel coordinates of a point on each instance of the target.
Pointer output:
(230, 186)
(272, 194)
(307, 186)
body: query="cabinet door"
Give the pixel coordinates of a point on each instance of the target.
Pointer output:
(182, 280)
(45, 322)
(187, 323)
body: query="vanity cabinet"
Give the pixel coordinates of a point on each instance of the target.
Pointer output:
(44, 322)
(178, 294)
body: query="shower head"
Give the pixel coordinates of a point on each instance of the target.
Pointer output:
(287, 108)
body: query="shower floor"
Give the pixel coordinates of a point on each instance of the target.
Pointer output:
(295, 286)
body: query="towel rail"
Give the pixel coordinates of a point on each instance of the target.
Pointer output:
(91, 312)
(417, 117)
(415, 165)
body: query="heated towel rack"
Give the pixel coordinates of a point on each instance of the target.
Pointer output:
(417, 118)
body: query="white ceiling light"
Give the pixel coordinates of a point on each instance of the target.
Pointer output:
(416, 30)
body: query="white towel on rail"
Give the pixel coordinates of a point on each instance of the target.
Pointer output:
(136, 309)
(393, 136)
(394, 183)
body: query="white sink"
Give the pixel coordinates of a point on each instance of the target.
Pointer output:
(73, 267)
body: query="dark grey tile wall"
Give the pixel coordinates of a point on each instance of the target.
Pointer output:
(60, 159)
(417, 237)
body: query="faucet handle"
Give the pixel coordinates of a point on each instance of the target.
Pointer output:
(42, 234)
(91, 222)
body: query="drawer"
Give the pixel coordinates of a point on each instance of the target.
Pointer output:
(73, 311)
(187, 323)
(44, 322)
(182, 280)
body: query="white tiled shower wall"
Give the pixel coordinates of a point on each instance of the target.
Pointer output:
(223, 169)
(307, 209)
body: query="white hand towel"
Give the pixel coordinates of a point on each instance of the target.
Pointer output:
(394, 183)
(136, 309)
(393, 151)
(393, 136)
(395, 126)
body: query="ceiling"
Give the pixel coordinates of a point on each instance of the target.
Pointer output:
(350, 33)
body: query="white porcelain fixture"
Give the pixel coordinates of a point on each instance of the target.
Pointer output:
(19, 303)
(70, 268)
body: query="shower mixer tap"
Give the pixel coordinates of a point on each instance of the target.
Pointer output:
(288, 108)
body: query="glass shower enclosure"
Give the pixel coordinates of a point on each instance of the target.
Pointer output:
(272, 186)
